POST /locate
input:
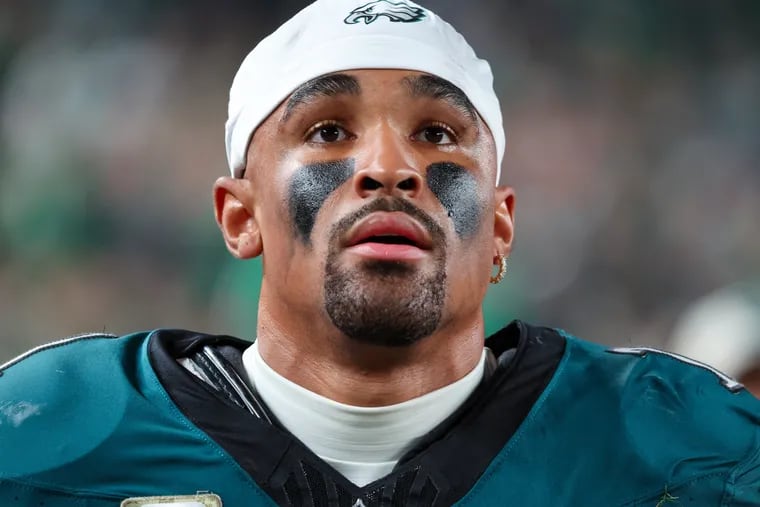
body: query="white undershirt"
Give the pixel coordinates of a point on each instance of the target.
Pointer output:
(362, 443)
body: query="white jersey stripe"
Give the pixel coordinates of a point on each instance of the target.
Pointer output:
(53, 344)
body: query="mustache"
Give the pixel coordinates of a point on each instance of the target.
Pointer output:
(390, 204)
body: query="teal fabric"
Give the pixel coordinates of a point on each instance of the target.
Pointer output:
(88, 424)
(624, 430)
(100, 428)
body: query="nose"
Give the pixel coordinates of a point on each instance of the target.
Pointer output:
(388, 168)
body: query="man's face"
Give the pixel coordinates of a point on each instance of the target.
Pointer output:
(372, 193)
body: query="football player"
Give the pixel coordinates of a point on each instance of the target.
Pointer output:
(365, 142)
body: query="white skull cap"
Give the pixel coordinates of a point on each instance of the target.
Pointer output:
(335, 35)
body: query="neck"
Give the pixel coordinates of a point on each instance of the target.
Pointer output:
(362, 443)
(319, 358)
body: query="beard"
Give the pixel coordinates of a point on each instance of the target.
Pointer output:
(387, 303)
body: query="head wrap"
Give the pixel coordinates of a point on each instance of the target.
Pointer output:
(336, 35)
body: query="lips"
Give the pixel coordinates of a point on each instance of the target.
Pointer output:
(389, 228)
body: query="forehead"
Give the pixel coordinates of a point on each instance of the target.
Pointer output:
(384, 87)
(416, 85)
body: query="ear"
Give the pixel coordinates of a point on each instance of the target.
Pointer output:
(504, 225)
(234, 212)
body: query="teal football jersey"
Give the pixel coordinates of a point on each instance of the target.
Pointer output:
(94, 420)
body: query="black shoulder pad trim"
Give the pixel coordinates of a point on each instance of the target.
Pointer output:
(440, 470)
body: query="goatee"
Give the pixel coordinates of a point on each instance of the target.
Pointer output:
(386, 303)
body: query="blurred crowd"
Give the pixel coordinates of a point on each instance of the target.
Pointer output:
(633, 141)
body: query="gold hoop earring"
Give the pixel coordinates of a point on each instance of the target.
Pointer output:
(502, 270)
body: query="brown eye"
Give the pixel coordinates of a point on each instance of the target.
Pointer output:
(327, 133)
(436, 134)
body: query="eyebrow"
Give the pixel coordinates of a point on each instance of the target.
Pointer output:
(324, 86)
(434, 87)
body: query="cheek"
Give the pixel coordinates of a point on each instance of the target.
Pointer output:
(458, 191)
(309, 188)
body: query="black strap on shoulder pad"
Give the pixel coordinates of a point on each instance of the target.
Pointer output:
(218, 372)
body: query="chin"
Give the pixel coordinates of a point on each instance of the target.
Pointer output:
(385, 303)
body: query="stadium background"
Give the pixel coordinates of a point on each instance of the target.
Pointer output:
(633, 140)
